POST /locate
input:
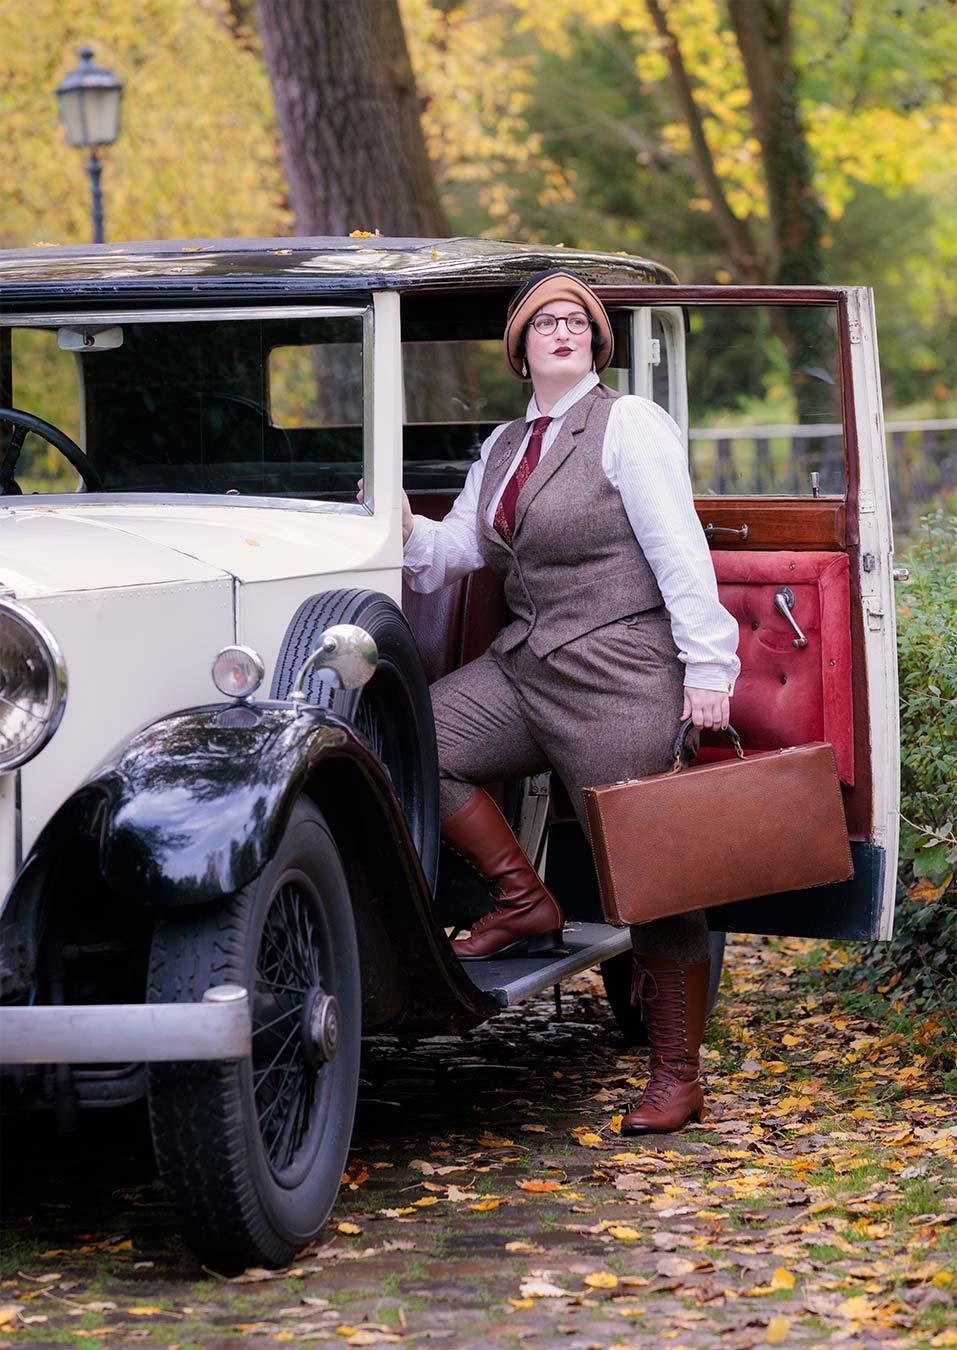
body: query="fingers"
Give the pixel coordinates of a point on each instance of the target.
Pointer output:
(707, 708)
(360, 494)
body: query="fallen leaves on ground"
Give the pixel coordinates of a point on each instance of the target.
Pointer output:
(817, 1203)
(541, 1288)
(602, 1279)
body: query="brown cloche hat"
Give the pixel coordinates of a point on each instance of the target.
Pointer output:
(541, 289)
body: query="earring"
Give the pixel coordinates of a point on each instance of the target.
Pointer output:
(524, 369)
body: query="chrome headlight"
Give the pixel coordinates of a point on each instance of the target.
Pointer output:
(32, 685)
(238, 671)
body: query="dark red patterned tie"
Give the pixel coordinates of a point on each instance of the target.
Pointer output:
(505, 511)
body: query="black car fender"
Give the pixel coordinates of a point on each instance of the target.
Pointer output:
(192, 808)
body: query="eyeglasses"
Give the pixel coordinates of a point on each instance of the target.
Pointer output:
(545, 324)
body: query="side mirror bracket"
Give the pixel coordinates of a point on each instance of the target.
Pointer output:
(346, 654)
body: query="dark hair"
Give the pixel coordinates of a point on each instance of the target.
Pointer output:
(598, 345)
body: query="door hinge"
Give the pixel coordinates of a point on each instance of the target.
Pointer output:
(869, 562)
(655, 358)
(875, 620)
(854, 329)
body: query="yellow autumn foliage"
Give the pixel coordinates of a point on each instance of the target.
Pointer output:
(477, 60)
(197, 154)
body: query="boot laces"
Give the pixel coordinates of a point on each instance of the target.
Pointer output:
(664, 1009)
(484, 921)
(657, 1090)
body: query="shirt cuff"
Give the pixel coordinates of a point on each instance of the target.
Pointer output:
(709, 677)
(417, 551)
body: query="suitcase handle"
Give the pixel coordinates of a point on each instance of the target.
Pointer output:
(682, 736)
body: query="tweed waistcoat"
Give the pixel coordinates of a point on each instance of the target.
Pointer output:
(574, 563)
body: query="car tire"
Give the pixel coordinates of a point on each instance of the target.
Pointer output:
(393, 711)
(616, 976)
(252, 1151)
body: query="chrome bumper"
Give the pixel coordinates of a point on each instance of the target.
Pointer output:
(124, 1033)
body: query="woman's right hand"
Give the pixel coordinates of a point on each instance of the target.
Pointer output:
(408, 519)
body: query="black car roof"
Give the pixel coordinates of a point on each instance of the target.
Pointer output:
(250, 268)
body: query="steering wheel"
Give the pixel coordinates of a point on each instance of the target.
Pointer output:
(23, 423)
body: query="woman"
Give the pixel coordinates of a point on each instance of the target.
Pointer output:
(584, 506)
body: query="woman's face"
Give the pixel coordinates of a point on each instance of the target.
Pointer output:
(559, 355)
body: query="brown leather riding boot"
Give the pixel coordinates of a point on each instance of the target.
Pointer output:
(674, 1002)
(526, 914)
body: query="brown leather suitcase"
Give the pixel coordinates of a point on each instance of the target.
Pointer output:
(717, 832)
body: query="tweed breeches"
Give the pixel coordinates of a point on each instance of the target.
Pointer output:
(598, 709)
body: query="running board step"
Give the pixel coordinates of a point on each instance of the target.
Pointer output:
(510, 979)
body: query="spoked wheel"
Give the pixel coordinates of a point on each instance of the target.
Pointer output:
(616, 975)
(253, 1152)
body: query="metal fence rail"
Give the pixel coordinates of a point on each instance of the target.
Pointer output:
(779, 459)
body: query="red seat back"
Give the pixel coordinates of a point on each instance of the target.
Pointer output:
(790, 695)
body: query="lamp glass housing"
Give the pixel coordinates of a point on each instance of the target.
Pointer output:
(238, 671)
(89, 102)
(32, 685)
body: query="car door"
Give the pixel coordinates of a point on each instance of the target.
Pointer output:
(777, 393)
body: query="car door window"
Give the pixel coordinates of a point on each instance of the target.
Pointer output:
(764, 400)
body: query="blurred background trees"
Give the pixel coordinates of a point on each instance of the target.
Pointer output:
(736, 140)
(198, 152)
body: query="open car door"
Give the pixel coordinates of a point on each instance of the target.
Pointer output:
(777, 391)
(796, 506)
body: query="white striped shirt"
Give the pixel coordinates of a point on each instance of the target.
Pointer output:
(643, 457)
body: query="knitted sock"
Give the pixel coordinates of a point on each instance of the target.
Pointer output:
(683, 937)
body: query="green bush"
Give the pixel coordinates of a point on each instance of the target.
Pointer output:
(924, 948)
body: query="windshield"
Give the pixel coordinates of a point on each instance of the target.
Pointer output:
(249, 406)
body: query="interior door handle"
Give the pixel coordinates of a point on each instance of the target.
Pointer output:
(711, 530)
(784, 603)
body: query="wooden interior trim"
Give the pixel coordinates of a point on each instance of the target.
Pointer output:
(776, 522)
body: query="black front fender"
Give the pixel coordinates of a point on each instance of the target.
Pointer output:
(192, 808)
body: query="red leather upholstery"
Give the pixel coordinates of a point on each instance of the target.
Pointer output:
(436, 621)
(456, 624)
(790, 695)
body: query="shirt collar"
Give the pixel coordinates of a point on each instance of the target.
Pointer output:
(567, 400)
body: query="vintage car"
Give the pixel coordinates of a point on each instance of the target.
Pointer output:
(210, 896)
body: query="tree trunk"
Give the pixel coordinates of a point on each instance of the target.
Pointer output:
(353, 149)
(738, 239)
(762, 29)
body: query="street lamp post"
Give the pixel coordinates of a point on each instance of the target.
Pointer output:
(89, 102)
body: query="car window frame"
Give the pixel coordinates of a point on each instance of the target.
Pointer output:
(54, 319)
(837, 298)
